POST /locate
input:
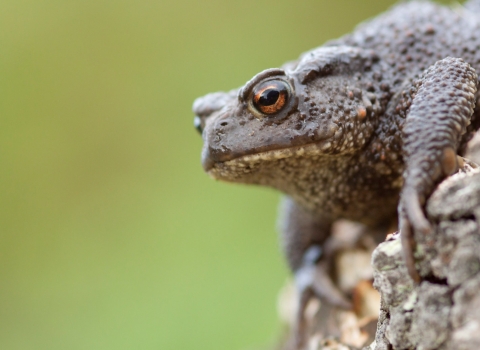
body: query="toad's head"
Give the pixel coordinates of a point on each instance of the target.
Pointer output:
(318, 106)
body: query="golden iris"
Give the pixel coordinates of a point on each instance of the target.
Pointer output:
(271, 96)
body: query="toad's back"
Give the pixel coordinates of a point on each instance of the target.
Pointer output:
(413, 36)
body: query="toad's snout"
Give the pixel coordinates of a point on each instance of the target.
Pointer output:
(205, 106)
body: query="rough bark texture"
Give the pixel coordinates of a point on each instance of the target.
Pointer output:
(443, 311)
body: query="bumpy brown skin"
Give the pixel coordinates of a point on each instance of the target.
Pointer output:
(375, 120)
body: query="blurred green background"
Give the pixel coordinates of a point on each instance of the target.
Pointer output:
(111, 235)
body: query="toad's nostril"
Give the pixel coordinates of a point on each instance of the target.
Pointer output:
(224, 124)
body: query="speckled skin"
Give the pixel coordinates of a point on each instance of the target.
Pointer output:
(375, 121)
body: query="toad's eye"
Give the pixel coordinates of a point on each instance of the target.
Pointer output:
(271, 96)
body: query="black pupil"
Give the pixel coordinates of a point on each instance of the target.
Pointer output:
(269, 97)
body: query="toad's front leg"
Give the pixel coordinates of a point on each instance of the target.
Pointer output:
(442, 104)
(306, 239)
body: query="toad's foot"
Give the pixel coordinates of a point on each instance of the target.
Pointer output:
(313, 281)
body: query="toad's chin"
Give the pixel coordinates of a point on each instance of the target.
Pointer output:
(243, 167)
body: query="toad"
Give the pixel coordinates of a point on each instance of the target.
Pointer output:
(362, 128)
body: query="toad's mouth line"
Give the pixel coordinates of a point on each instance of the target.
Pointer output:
(311, 149)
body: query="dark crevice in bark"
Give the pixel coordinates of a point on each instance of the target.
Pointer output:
(435, 280)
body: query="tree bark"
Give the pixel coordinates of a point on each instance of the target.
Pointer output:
(443, 311)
